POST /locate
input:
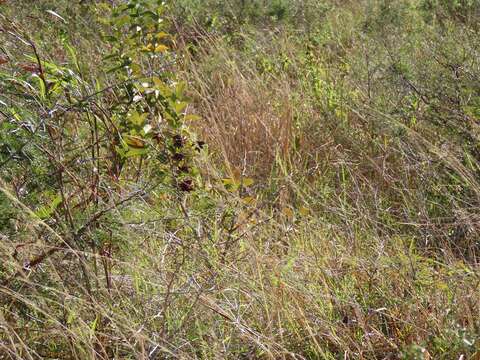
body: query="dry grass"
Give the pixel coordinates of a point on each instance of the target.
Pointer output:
(357, 240)
(247, 119)
(291, 290)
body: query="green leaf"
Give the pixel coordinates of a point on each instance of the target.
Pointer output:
(180, 106)
(46, 211)
(230, 184)
(138, 119)
(136, 69)
(247, 181)
(93, 325)
(134, 141)
(133, 152)
(121, 151)
(72, 54)
(70, 318)
(122, 20)
(192, 117)
(161, 48)
(180, 89)
(41, 86)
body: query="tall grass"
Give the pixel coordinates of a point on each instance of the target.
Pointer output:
(332, 213)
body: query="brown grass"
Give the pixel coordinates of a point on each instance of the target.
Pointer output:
(247, 119)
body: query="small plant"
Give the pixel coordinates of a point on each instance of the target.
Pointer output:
(78, 146)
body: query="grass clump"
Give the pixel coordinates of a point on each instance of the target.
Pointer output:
(239, 179)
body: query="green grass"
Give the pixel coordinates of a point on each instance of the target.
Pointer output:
(332, 213)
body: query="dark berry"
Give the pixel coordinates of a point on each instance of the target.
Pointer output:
(186, 185)
(178, 157)
(178, 141)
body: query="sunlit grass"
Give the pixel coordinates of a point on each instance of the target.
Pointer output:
(332, 213)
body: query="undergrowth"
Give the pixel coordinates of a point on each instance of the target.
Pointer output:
(239, 179)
